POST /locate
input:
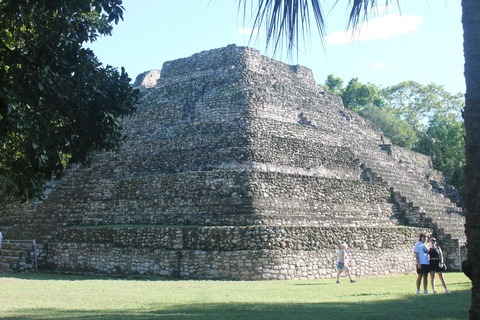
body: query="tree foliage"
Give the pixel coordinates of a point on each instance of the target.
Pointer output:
(443, 140)
(333, 84)
(424, 118)
(417, 103)
(357, 96)
(397, 130)
(282, 20)
(58, 103)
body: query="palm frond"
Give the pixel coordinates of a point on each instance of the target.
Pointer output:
(360, 10)
(286, 21)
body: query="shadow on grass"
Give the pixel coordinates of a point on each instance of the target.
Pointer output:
(442, 306)
(313, 284)
(79, 277)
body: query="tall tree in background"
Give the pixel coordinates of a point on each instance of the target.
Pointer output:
(415, 103)
(424, 118)
(58, 104)
(444, 142)
(357, 95)
(397, 130)
(290, 19)
(435, 115)
(334, 84)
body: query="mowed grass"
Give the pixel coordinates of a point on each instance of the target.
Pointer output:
(49, 296)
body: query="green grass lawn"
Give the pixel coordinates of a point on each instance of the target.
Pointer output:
(48, 296)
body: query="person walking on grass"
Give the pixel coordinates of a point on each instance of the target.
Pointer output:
(437, 265)
(422, 263)
(343, 263)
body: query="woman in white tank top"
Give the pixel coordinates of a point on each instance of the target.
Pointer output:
(343, 263)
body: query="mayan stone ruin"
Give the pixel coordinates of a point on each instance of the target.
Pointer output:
(241, 167)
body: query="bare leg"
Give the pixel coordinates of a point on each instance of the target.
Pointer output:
(348, 274)
(432, 281)
(419, 280)
(425, 281)
(338, 275)
(442, 280)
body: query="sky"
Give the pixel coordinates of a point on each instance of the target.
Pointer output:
(420, 41)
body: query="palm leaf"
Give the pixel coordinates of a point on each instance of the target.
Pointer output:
(288, 21)
(360, 10)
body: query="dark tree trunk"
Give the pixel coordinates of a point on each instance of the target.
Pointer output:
(471, 45)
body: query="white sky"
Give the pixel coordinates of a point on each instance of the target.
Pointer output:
(423, 43)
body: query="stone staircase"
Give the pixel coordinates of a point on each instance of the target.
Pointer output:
(423, 201)
(18, 256)
(40, 220)
(412, 187)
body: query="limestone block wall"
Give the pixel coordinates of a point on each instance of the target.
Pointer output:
(147, 79)
(231, 197)
(238, 253)
(13, 212)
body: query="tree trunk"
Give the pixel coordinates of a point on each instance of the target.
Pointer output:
(471, 115)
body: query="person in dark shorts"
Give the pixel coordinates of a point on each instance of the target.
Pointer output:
(422, 263)
(437, 264)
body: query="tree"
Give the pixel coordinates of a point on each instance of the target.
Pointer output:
(443, 141)
(365, 100)
(417, 103)
(285, 19)
(58, 104)
(357, 95)
(397, 130)
(471, 116)
(334, 84)
(435, 115)
(424, 118)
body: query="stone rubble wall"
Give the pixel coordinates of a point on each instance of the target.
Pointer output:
(232, 198)
(147, 79)
(423, 197)
(236, 253)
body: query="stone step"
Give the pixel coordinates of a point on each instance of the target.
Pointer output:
(17, 256)
(11, 253)
(9, 259)
(9, 245)
(432, 209)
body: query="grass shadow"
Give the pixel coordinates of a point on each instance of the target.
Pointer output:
(441, 306)
(312, 284)
(81, 276)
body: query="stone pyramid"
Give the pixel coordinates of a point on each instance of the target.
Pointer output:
(238, 166)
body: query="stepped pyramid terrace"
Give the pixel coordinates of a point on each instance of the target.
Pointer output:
(240, 167)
